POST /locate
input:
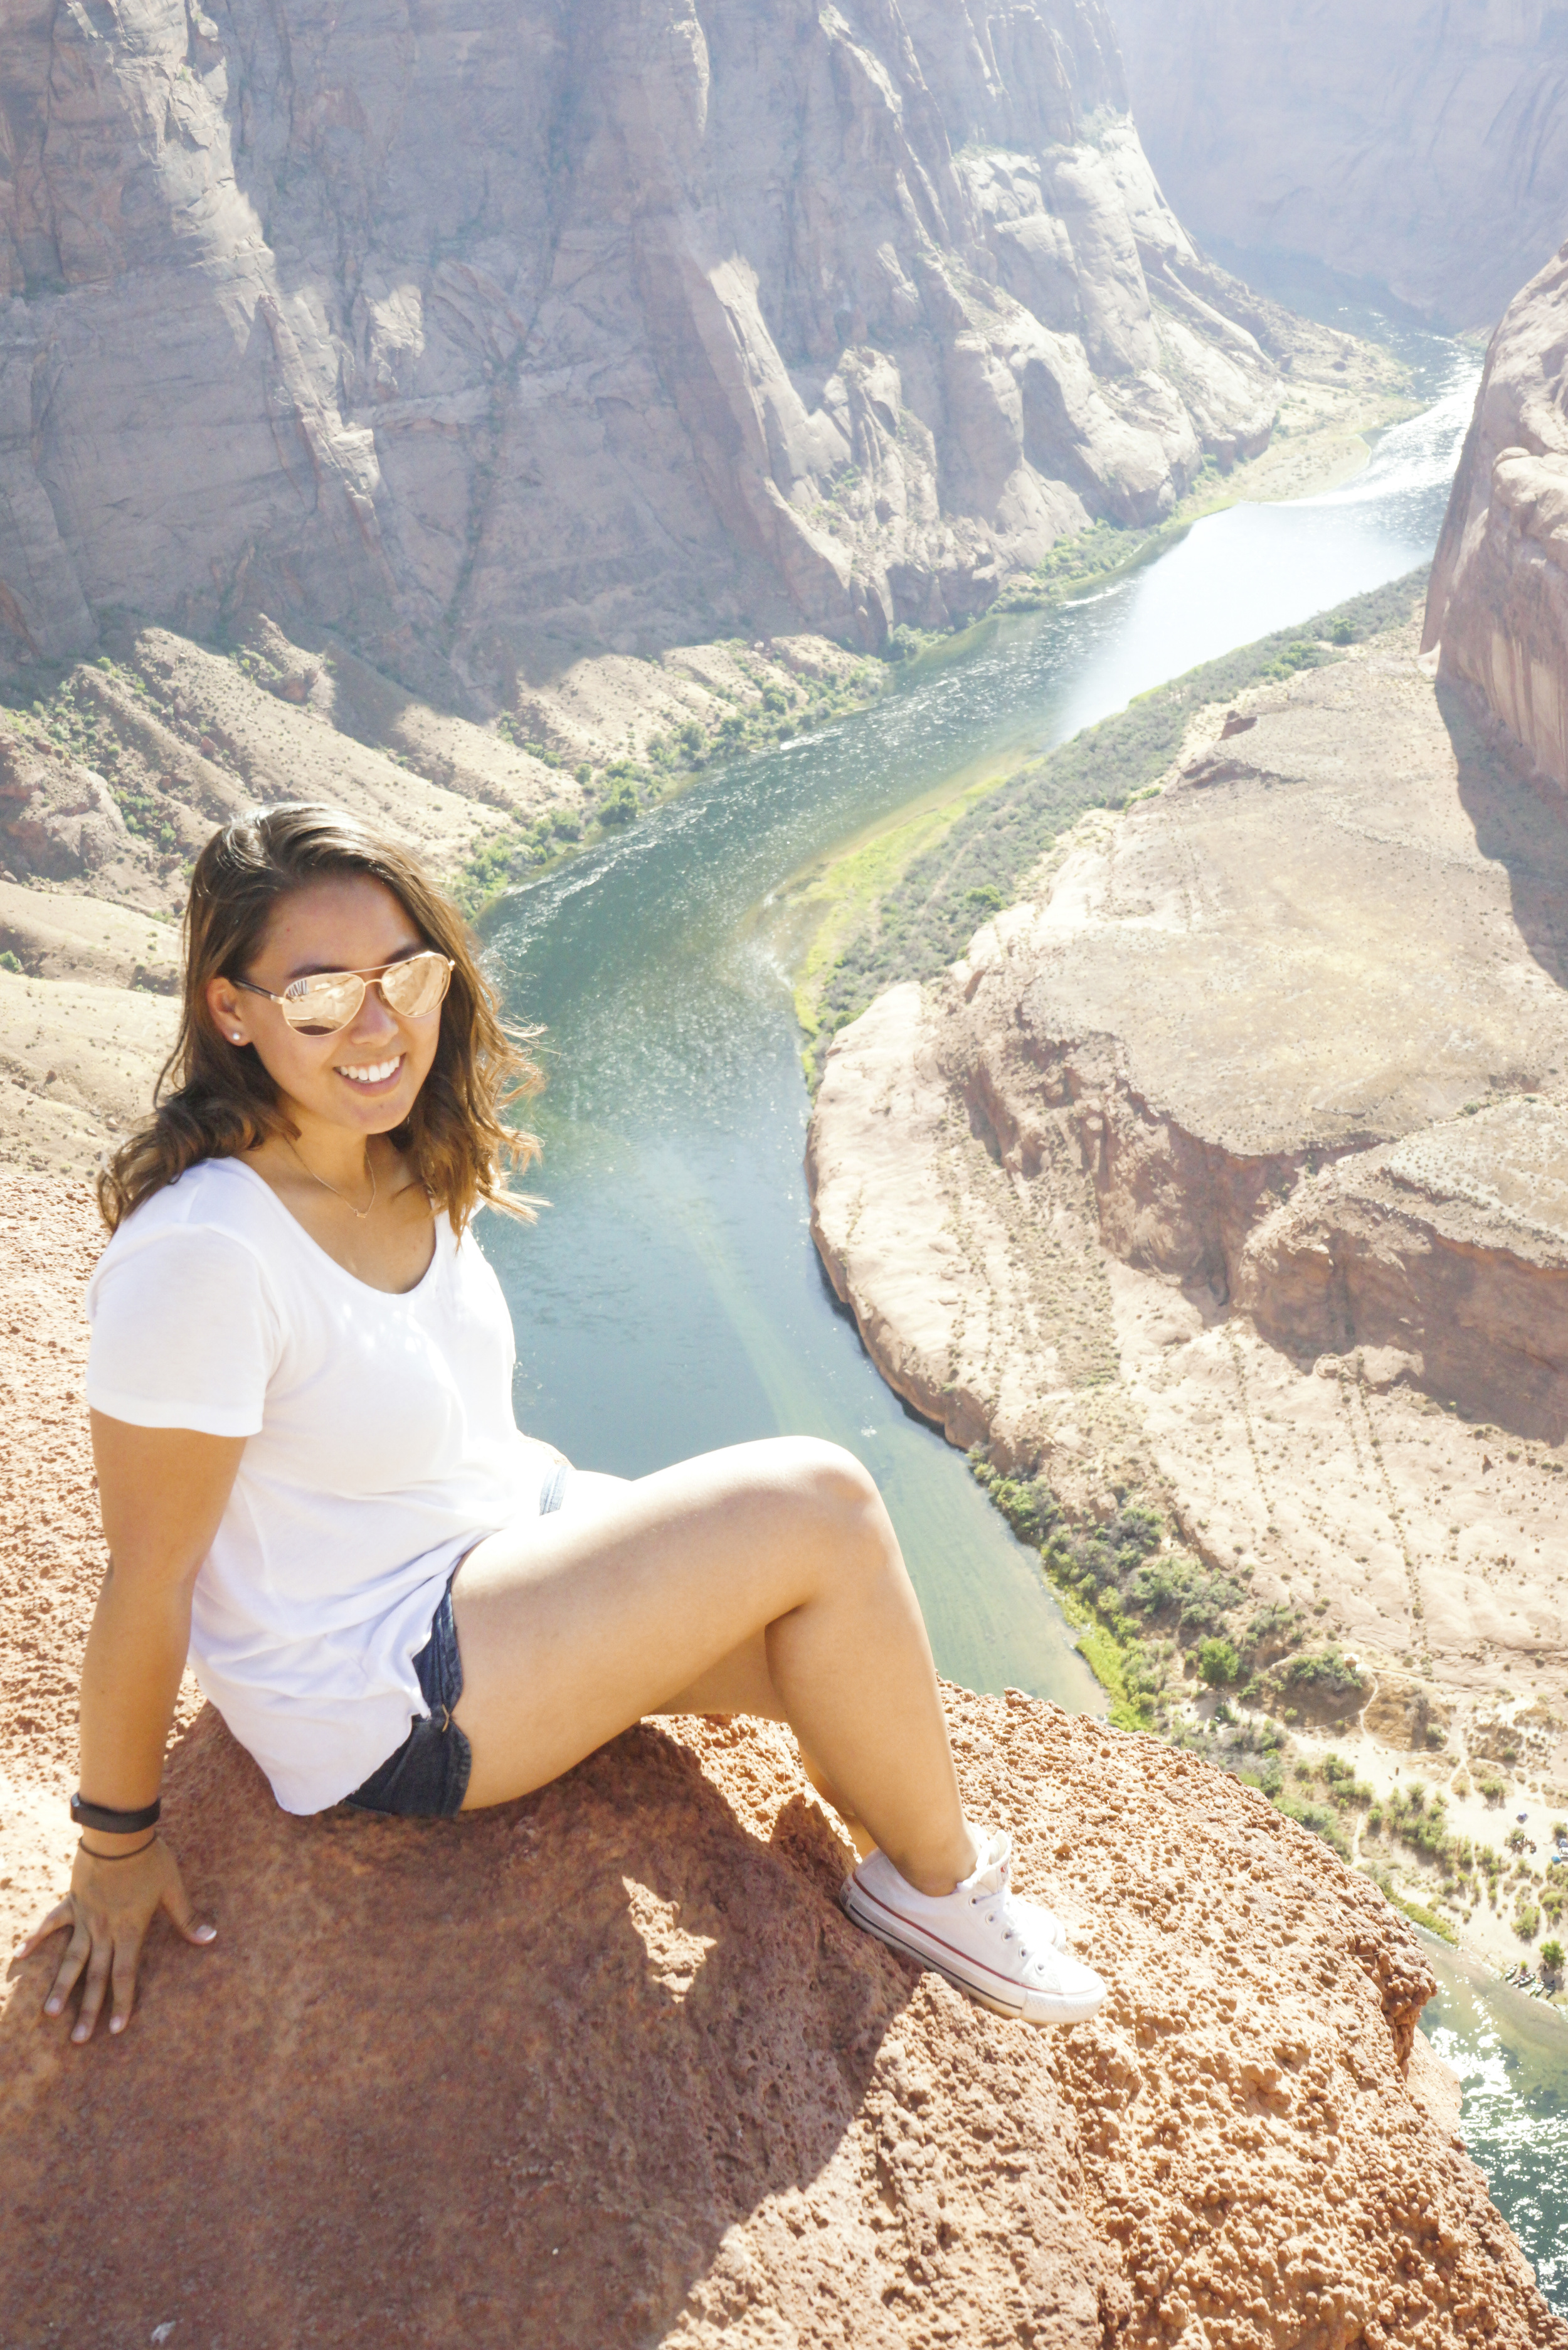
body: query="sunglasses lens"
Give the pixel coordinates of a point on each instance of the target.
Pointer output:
(417, 985)
(327, 1002)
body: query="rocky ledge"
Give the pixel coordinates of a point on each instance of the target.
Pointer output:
(608, 2066)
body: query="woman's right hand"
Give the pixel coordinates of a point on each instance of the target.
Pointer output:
(108, 1908)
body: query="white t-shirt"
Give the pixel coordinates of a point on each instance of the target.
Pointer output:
(380, 1445)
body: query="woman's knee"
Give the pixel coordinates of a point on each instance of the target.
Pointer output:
(840, 1493)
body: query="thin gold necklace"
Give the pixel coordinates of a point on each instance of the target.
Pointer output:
(353, 1211)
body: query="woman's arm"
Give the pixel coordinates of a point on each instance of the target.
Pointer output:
(163, 1492)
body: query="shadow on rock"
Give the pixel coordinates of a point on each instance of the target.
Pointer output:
(535, 2074)
(1519, 823)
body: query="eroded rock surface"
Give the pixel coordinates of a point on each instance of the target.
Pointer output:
(570, 326)
(609, 2066)
(1219, 1167)
(1422, 148)
(1497, 604)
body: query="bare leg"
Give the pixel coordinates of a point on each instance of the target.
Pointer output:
(741, 1682)
(575, 1625)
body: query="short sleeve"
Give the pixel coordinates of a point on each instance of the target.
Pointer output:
(183, 1334)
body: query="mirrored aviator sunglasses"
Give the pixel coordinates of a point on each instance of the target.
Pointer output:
(327, 1000)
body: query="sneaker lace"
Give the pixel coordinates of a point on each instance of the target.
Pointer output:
(991, 1884)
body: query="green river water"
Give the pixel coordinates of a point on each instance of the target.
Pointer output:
(671, 1300)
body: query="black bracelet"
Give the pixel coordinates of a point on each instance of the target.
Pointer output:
(83, 1846)
(108, 1823)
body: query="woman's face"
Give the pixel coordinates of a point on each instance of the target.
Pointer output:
(367, 1075)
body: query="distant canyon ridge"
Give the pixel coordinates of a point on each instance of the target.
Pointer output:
(1424, 146)
(489, 338)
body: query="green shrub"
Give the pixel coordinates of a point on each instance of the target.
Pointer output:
(1526, 1920)
(1271, 1631)
(1319, 1818)
(9, 961)
(1422, 1823)
(1552, 1956)
(1324, 1682)
(619, 805)
(1218, 1663)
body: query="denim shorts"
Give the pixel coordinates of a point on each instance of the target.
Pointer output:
(427, 1777)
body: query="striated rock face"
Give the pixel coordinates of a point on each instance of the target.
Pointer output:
(1289, 955)
(1424, 147)
(1499, 597)
(1450, 1247)
(608, 2066)
(1218, 1168)
(597, 324)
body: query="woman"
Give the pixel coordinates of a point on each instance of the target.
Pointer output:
(312, 1484)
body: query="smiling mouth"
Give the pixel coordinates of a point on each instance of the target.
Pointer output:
(367, 1076)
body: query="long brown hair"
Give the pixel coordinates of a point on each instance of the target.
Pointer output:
(224, 1102)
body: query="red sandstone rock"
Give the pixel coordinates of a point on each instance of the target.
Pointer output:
(607, 2067)
(1498, 603)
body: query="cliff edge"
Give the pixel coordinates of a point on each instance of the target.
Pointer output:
(608, 2066)
(1498, 605)
(1217, 1194)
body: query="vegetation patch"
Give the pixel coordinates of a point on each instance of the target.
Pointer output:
(618, 794)
(1092, 558)
(1152, 1618)
(1325, 1686)
(1419, 1915)
(79, 729)
(1149, 1613)
(926, 917)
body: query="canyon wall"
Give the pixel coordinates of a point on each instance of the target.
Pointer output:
(1424, 146)
(1229, 1170)
(581, 323)
(1498, 599)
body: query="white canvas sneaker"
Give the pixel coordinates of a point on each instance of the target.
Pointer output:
(1002, 1951)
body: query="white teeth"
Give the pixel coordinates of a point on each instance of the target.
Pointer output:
(371, 1073)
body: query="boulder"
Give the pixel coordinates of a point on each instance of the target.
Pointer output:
(608, 2066)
